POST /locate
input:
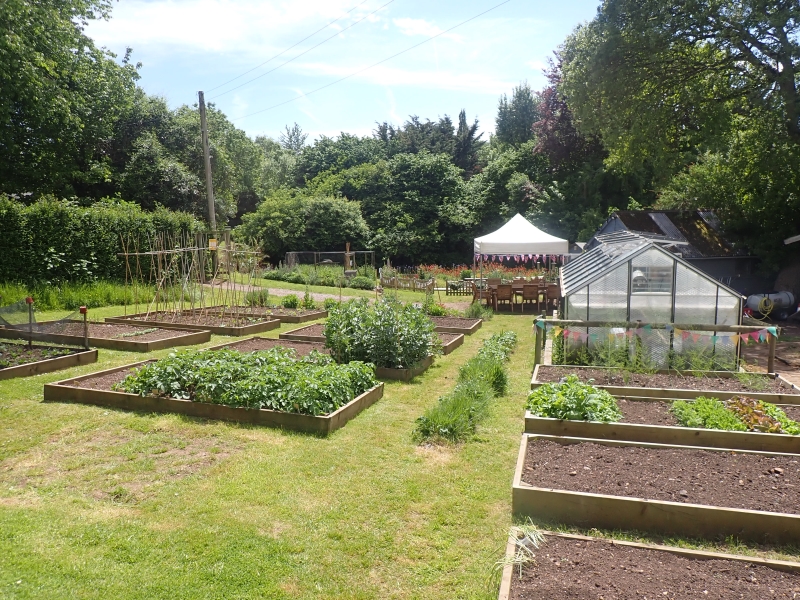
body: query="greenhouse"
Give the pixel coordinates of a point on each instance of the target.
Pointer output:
(630, 278)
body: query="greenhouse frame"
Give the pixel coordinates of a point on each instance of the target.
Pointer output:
(631, 278)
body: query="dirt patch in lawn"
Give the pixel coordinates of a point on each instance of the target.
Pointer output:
(617, 377)
(743, 481)
(657, 413)
(567, 569)
(112, 462)
(13, 355)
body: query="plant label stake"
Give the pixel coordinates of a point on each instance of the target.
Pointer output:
(85, 327)
(29, 302)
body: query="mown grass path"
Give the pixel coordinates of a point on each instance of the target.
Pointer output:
(98, 503)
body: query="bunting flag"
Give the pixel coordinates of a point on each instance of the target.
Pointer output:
(541, 324)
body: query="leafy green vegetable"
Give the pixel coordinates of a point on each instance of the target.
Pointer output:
(273, 379)
(387, 333)
(571, 399)
(708, 413)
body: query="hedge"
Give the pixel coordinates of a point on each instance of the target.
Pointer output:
(58, 240)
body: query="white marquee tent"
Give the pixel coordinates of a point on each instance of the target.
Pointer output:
(519, 237)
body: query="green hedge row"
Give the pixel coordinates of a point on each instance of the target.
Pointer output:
(58, 240)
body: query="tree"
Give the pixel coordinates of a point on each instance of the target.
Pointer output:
(337, 154)
(465, 152)
(60, 97)
(660, 81)
(515, 117)
(436, 137)
(293, 139)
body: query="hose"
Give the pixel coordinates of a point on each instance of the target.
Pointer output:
(765, 306)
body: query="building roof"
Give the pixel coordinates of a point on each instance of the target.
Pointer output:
(694, 234)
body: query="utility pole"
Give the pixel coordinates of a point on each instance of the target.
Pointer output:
(212, 216)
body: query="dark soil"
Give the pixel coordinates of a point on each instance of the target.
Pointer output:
(316, 329)
(114, 331)
(743, 481)
(618, 377)
(256, 344)
(650, 412)
(454, 322)
(103, 382)
(278, 312)
(14, 355)
(567, 569)
(214, 320)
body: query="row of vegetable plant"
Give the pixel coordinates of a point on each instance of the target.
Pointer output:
(456, 414)
(272, 379)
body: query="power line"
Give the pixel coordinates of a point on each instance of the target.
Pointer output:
(327, 85)
(289, 48)
(353, 24)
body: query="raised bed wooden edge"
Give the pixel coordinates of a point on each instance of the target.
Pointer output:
(62, 391)
(679, 394)
(603, 511)
(778, 565)
(300, 337)
(404, 374)
(452, 344)
(50, 364)
(665, 434)
(244, 341)
(464, 330)
(251, 329)
(259, 312)
(190, 338)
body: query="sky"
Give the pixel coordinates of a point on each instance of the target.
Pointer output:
(190, 45)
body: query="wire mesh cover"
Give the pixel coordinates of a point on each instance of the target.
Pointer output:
(19, 317)
(357, 258)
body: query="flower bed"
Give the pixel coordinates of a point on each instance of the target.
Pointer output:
(19, 360)
(673, 385)
(112, 336)
(566, 566)
(575, 409)
(272, 388)
(200, 321)
(658, 488)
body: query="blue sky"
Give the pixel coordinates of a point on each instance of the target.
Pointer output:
(190, 45)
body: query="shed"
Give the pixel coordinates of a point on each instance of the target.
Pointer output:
(629, 277)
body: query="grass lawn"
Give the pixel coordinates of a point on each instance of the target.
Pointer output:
(100, 503)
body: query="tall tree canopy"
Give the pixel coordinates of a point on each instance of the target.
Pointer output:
(515, 117)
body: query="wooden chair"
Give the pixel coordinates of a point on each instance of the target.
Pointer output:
(504, 293)
(530, 295)
(493, 281)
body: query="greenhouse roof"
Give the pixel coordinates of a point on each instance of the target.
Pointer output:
(615, 249)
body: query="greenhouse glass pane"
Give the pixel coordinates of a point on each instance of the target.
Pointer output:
(695, 297)
(651, 272)
(728, 309)
(576, 305)
(608, 296)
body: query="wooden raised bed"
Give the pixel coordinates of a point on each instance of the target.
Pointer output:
(619, 512)
(510, 572)
(84, 357)
(234, 331)
(466, 326)
(452, 344)
(64, 391)
(184, 338)
(271, 342)
(680, 394)
(664, 434)
(303, 334)
(294, 316)
(404, 374)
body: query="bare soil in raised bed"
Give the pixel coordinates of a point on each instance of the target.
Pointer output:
(649, 412)
(617, 377)
(115, 331)
(103, 382)
(315, 329)
(16, 354)
(454, 322)
(568, 569)
(275, 311)
(447, 337)
(256, 344)
(214, 320)
(734, 480)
